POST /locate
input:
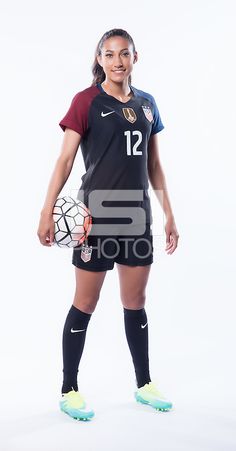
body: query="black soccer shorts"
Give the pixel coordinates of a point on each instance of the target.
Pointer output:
(131, 250)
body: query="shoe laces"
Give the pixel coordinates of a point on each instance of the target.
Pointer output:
(74, 399)
(151, 388)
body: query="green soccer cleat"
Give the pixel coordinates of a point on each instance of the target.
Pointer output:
(149, 394)
(74, 405)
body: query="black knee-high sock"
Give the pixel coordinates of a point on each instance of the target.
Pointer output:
(136, 329)
(73, 340)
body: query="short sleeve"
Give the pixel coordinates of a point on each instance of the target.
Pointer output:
(157, 125)
(76, 116)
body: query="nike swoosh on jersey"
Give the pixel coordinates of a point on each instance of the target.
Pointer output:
(73, 331)
(143, 325)
(106, 114)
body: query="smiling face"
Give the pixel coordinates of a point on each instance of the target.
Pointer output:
(117, 58)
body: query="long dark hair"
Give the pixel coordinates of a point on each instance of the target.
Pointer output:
(97, 70)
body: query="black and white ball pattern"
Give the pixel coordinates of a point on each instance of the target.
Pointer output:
(73, 222)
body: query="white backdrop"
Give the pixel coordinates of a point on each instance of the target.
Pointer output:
(187, 62)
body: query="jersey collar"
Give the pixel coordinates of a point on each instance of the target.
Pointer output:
(104, 92)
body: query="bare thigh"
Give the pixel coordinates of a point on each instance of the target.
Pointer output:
(88, 286)
(133, 281)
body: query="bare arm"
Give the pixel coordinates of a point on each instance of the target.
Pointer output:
(58, 179)
(62, 168)
(157, 179)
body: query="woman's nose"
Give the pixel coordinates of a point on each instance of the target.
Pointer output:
(117, 61)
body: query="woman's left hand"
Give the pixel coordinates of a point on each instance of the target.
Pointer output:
(172, 236)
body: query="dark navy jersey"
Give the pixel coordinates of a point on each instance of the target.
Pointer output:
(114, 141)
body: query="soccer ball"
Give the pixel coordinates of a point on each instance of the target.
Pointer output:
(73, 222)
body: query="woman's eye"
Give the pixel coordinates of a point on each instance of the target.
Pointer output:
(126, 53)
(108, 55)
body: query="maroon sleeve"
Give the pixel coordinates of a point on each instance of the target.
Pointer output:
(77, 115)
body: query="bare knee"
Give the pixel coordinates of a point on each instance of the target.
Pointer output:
(88, 287)
(133, 302)
(86, 304)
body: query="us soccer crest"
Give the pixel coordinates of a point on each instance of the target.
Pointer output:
(148, 112)
(129, 114)
(86, 252)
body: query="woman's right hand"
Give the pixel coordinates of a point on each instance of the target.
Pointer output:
(46, 229)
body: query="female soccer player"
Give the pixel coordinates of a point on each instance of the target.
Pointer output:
(116, 126)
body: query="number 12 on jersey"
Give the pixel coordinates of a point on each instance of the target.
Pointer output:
(131, 147)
